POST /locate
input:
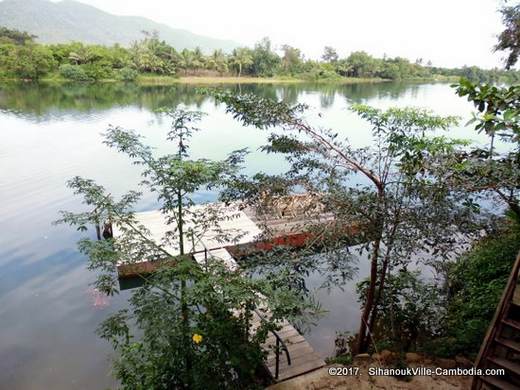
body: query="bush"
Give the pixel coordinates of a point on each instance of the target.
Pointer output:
(74, 73)
(28, 62)
(477, 281)
(98, 71)
(410, 311)
(127, 74)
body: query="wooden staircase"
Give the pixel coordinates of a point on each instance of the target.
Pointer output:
(501, 346)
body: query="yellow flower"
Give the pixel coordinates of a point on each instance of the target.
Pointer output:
(197, 338)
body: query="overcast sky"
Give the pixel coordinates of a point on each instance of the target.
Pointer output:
(447, 32)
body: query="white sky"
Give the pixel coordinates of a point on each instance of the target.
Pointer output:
(447, 32)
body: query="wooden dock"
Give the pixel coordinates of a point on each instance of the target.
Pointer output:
(303, 358)
(298, 356)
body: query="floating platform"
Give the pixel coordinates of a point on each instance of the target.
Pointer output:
(255, 233)
(252, 236)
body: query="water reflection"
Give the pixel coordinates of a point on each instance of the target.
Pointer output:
(42, 102)
(51, 132)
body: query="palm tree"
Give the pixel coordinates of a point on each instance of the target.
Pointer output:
(198, 59)
(186, 60)
(217, 61)
(242, 57)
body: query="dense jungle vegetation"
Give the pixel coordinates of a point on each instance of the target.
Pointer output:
(22, 58)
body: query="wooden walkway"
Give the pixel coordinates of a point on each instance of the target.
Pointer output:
(303, 358)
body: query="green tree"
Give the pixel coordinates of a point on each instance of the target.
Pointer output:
(218, 61)
(150, 55)
(412, 312)
(188, 326)
(291, 59)
(399, 207)
(330, 55)
(489, 172)
(362, 64)
(30, 61)
(265, 61)
(509, 39)
(16, 37)
(241, 58)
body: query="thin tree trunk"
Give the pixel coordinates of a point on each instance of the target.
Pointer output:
(184, 306)
(382, 279)
(239, 69)
(380, 289)
(361, 341)
(369, 303)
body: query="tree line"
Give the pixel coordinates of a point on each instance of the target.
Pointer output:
(22, 58)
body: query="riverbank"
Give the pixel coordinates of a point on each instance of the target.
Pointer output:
(164, 80)
(159, 80)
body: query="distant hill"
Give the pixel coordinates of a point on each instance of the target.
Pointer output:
(73, 21)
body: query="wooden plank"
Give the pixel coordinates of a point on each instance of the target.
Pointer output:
(516, 295)
(297, 338)
(220, 254)
(239, 224)
(507, 364)
(513, 345)
(300, 360)
(511, 323)
(301, 369)
(295, 351)
(303, 357)
(498, 383)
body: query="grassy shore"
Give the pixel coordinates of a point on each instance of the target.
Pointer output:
(165, 80)
(201, 80)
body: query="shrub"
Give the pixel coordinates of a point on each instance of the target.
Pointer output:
(477, 281)
(127, 74)
(98, 71)
(410, 311)
(74, 73)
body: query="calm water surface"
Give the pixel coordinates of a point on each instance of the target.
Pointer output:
(48, 312)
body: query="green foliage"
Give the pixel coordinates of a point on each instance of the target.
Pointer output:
(265, 61)
(329, 54)
(15, 37)
(241, 58)
(152, 55)
(509, 39)
(402, 208)
(28, 61)
(486, 171)
(127, 74)
(74, 73)
(292, 60)
(188, 326)
(345, 360)
(221, 355)
(476, 282)
(411, 311)
(499, 108)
